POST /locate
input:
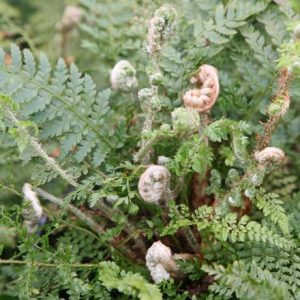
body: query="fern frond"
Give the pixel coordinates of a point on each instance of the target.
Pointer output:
(272, 207)
(228, 228)
(132, 284)
(246, 282)
(63, 103)
(257, 43)
(223, 27)
(273, 20)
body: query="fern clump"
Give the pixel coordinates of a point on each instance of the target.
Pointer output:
(153, 154)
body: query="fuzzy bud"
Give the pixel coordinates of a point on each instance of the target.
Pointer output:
(160, 27)
(250, 193)
(274, 109)
(160, 262)
(154, 184)
(155, 103)
(235, 199)
(156, 79)
(162, 160)
(270, 155)
(202, 99)
(34, 213)
(297, 32)
(145, 95)
(123, 78)
(71, 18)
(295, 68)
(232, 176)
(280, 106)
(165, 128)
(185, 120)
(257, 179)
(149, 99)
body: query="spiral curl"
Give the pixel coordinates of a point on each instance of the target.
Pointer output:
(123, 77)
(32, 215)
(185, 120)
(71, 18)
(160, 27)
(160, 262)
(269, 155)
(204, 97)
(154, 184)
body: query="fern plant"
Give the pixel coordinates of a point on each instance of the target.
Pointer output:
(156, 171)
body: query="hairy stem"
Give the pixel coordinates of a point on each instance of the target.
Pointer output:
(204, 119)
(146, 147)
(282, 94)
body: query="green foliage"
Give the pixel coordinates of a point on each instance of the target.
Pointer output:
(295, 5)
(225, 229)
(223, 27)
(246, 282)
(271, 206)
(192, 155)
(64, 105)
(126, 282)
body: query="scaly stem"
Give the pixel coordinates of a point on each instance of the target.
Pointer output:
(204, 120)
(282, 95)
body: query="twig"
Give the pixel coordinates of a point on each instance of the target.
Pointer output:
(86, 219)
(44, 264)
(10, 189)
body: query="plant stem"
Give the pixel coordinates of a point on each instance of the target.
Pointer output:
(285, 80)
(44, 264)
(67, 224)
(86, 219)
(146, 147)
(7, 188)
(191, 239)
(82, 216)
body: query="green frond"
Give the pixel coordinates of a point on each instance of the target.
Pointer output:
(246, 282)
(131, 284)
